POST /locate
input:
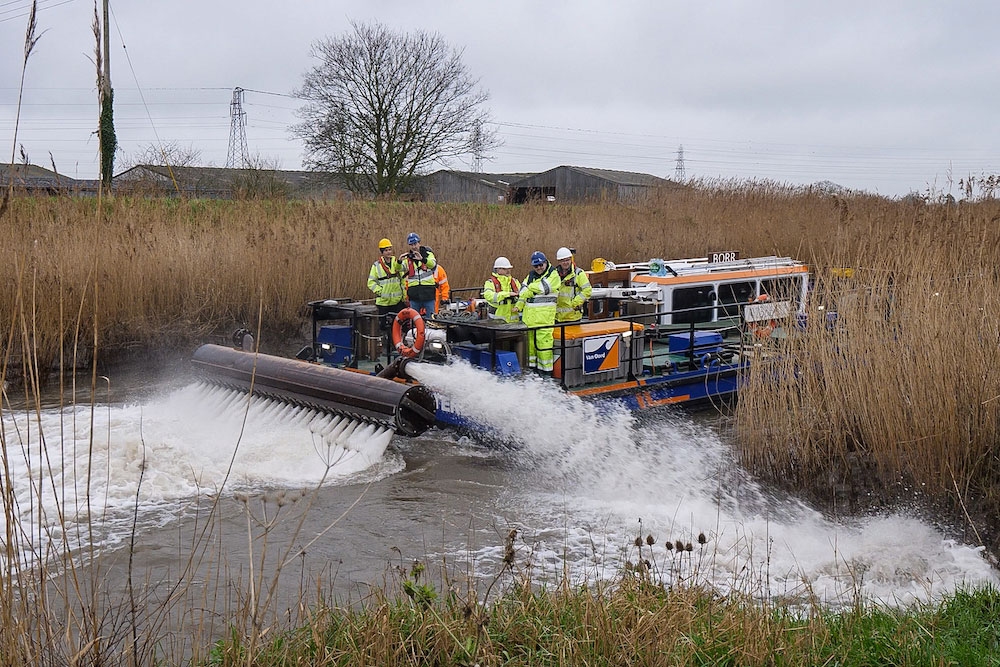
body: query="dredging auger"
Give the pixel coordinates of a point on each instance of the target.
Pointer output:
(406, 408)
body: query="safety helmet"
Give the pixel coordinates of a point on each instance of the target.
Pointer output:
(412, 238)
(538, 257)
(384, 243)
(502, 263)
(563, 253)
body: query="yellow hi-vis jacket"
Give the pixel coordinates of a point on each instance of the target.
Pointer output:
(574, 290)
(385, 280)
(419, 273)
(538, 295)
(537, 300)
(500, 293)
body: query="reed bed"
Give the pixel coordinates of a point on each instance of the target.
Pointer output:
(166, 272)
(898, 397)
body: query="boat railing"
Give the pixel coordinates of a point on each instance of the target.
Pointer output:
(494, 336)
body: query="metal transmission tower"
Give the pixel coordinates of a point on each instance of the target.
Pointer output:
(477, 149)
(679, 175)
(236, 157)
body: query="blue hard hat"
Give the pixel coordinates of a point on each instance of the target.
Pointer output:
(412, 238)
(538, 257)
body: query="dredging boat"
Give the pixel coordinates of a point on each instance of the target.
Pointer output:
(655, 333)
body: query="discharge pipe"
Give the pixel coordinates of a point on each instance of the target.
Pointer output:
(408, 409)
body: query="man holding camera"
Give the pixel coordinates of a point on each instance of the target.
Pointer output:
(418, 275)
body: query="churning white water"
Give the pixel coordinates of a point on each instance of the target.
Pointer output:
(78, 475)
(595, 477)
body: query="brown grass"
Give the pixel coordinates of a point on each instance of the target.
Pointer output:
(898, 398)
(165, 270)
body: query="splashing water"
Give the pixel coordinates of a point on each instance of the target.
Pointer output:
(78, 474)
(596, 479)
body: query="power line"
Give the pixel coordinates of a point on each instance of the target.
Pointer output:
(26, 9)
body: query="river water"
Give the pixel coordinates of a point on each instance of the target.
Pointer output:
(163, 473)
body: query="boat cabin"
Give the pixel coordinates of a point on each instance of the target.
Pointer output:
(696, 291)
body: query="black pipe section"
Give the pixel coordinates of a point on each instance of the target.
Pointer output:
(408, 409)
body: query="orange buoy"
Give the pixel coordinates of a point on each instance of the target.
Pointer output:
(408, 315)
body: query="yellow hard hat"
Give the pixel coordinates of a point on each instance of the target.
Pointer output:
(384, 243)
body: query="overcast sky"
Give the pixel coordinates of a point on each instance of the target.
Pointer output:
(886, 96)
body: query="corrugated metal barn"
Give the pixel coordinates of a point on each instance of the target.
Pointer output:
(221, 183)
(33, 179)
(582, 184)
(448, 185)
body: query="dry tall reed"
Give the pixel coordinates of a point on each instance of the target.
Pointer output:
(899, 395)
(175, 272)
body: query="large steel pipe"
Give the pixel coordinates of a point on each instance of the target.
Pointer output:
(406, 408)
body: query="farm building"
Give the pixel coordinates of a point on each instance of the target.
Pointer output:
(583, 184)
(221, 183)
(448, 185)
(36, 180)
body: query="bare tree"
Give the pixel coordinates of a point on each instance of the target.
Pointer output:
(382, 106)
(170, 153)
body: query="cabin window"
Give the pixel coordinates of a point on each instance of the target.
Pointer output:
(782, 289)
(693, 304)
(731, 296)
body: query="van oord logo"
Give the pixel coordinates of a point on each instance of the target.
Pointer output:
(601, 353)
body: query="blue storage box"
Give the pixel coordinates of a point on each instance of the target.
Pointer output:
(335, 344)
(704, 342)
(505, 363)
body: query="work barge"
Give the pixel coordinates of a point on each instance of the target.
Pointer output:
(655, 333)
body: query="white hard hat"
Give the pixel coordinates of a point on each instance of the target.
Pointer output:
(563, 253)
(502, 263)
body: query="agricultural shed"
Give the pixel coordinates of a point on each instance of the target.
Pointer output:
(33, 179)
(448, 185)
(583, 184)
(222, 183)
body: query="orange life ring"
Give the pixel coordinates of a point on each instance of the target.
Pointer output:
(414, 318)
(762, 329)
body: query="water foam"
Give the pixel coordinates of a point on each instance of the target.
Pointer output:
(98, 463)
(595, 477)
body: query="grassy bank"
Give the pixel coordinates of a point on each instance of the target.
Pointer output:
(632, 623)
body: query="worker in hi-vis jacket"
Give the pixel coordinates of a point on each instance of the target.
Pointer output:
(385, 280)
(574, 287)
(500, 291)
(537, 304)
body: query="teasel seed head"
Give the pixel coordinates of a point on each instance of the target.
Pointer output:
(679, 545)
(701, 538)
(638, 541)
(650, 540)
